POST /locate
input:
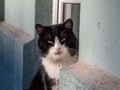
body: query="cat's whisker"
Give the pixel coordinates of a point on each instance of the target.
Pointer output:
(48, 35)
(43, 54)
(62, 33)
(44, 46)
(38, 62)
(36, 66)
(71, 49)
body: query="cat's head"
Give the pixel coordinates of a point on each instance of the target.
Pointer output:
(58, 40)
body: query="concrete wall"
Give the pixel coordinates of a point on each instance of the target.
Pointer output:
(1, 10)
(43, 12)
(10, 62)
(21, 13)
(72, 81)
(30, 60)
(100, 34)
(18, 57)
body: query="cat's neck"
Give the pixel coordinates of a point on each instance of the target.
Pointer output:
(56, 64)
(53, 67)
(62, 62)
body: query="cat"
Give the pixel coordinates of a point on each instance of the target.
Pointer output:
(59, 48)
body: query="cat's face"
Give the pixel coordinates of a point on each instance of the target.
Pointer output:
(57, 41)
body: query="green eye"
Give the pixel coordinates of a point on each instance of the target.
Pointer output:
(50, 42)
(63, 40)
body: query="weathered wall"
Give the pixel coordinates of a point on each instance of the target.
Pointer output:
(100, 34)
(10, 61)
(18, 57)
(30, 60)
(21, 13)
(43, 12)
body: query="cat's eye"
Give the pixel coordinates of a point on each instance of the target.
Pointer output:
(50, 42)
(63, 40)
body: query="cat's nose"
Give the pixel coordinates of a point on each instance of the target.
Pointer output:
(58, 51)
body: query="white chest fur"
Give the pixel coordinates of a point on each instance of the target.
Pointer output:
(52, 69)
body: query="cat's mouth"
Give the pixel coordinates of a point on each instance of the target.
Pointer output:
(58, 53)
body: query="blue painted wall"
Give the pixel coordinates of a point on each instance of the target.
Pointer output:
(30, 61)
(10, 61)
(18, 57)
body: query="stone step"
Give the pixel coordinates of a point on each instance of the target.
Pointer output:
(82, 76)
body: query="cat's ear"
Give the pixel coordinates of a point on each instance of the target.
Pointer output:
(39, 28)
(68, 24)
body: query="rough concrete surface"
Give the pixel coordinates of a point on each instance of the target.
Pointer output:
(82, 76)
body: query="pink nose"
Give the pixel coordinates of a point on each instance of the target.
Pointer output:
(58, 50)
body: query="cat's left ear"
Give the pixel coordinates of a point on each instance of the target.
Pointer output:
(68, 24)
(39, 28)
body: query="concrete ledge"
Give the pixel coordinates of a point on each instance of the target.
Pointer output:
(18, 57)
(82, 76)
(16, 32)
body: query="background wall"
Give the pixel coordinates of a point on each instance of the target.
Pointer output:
(43, 12)
(21, 13)
(100, 34)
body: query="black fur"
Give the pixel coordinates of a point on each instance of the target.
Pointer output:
(38, 84)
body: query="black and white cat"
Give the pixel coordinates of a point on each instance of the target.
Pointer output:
(59, 48)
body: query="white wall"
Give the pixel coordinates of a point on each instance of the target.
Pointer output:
(100, 34)
(21, 13)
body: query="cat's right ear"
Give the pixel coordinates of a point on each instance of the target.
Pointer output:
(39, 28)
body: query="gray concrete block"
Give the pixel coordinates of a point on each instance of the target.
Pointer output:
(71, 81)
(30, 60)
(82, 76)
